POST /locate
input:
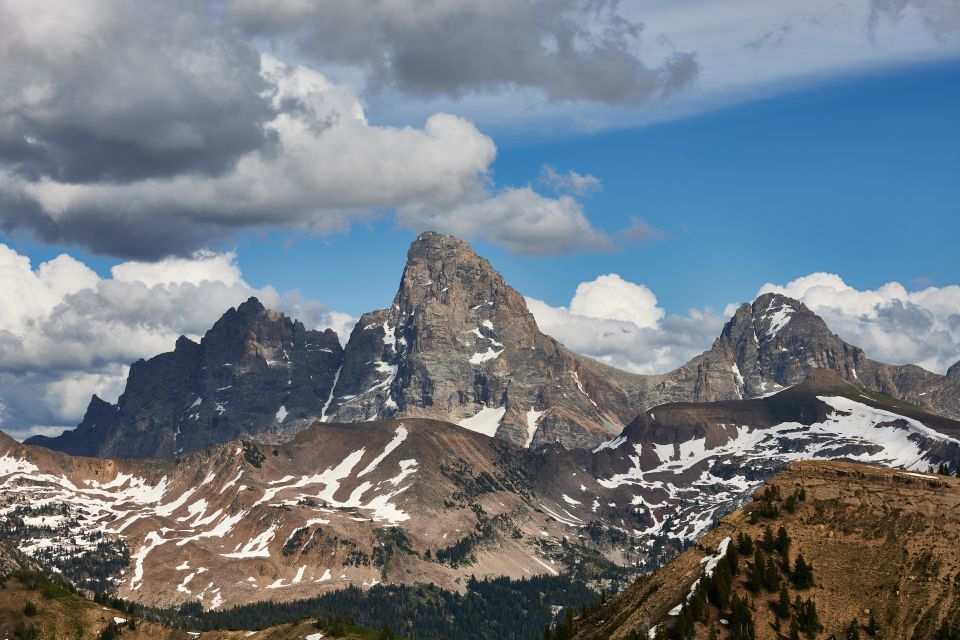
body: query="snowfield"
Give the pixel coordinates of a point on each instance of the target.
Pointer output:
(671, 492)
(151, 515)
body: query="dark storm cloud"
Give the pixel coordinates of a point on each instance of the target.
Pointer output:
(569, 49)
(120, 91)
(146, 130)
(107, 228)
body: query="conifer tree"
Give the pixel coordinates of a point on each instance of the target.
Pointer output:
(744, 543)
(755, 579)
(768, 542)
(783, 603)
(806, 617)
(741, 620)
(732, 559)
(771, 576)
(783, 542)
(802, 573)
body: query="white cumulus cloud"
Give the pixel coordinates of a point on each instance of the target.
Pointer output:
(324, 168)
(619, 322)
(518, 219)
(613, 298)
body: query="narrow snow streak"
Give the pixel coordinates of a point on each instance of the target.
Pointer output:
(399, 436)
(326, 405)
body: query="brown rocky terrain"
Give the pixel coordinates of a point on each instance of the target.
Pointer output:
(411, 501)
(417, 501)
(883, 544)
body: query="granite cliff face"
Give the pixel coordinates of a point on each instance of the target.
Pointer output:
(457, 344)
(255, 372)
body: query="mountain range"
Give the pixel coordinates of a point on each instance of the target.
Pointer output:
(458, 345)
(449, 440)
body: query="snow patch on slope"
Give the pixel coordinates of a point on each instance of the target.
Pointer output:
(485, 421)
(533, 417)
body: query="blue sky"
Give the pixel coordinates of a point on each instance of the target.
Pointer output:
(856, 176)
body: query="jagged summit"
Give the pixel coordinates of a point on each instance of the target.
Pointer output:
(446, 270)
(459, 344)
(255, 371)
(773, 342)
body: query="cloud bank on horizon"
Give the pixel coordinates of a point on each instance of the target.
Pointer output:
(148, 131)
(67, 333)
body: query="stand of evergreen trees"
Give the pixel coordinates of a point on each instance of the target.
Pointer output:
(491, 608)
(767, 571)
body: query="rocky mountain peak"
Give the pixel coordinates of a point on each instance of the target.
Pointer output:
(185, 344)
(445, 273)
(772, 342)
(98, 406)
(459, 344)
(251, 307)
(255, 372)
(772, 317)
(774, 313)
(252, 335)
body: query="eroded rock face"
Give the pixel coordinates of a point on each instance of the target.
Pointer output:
(256, 371)
(460, 345)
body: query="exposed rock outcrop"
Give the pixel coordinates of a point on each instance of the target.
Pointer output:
(255, 372)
